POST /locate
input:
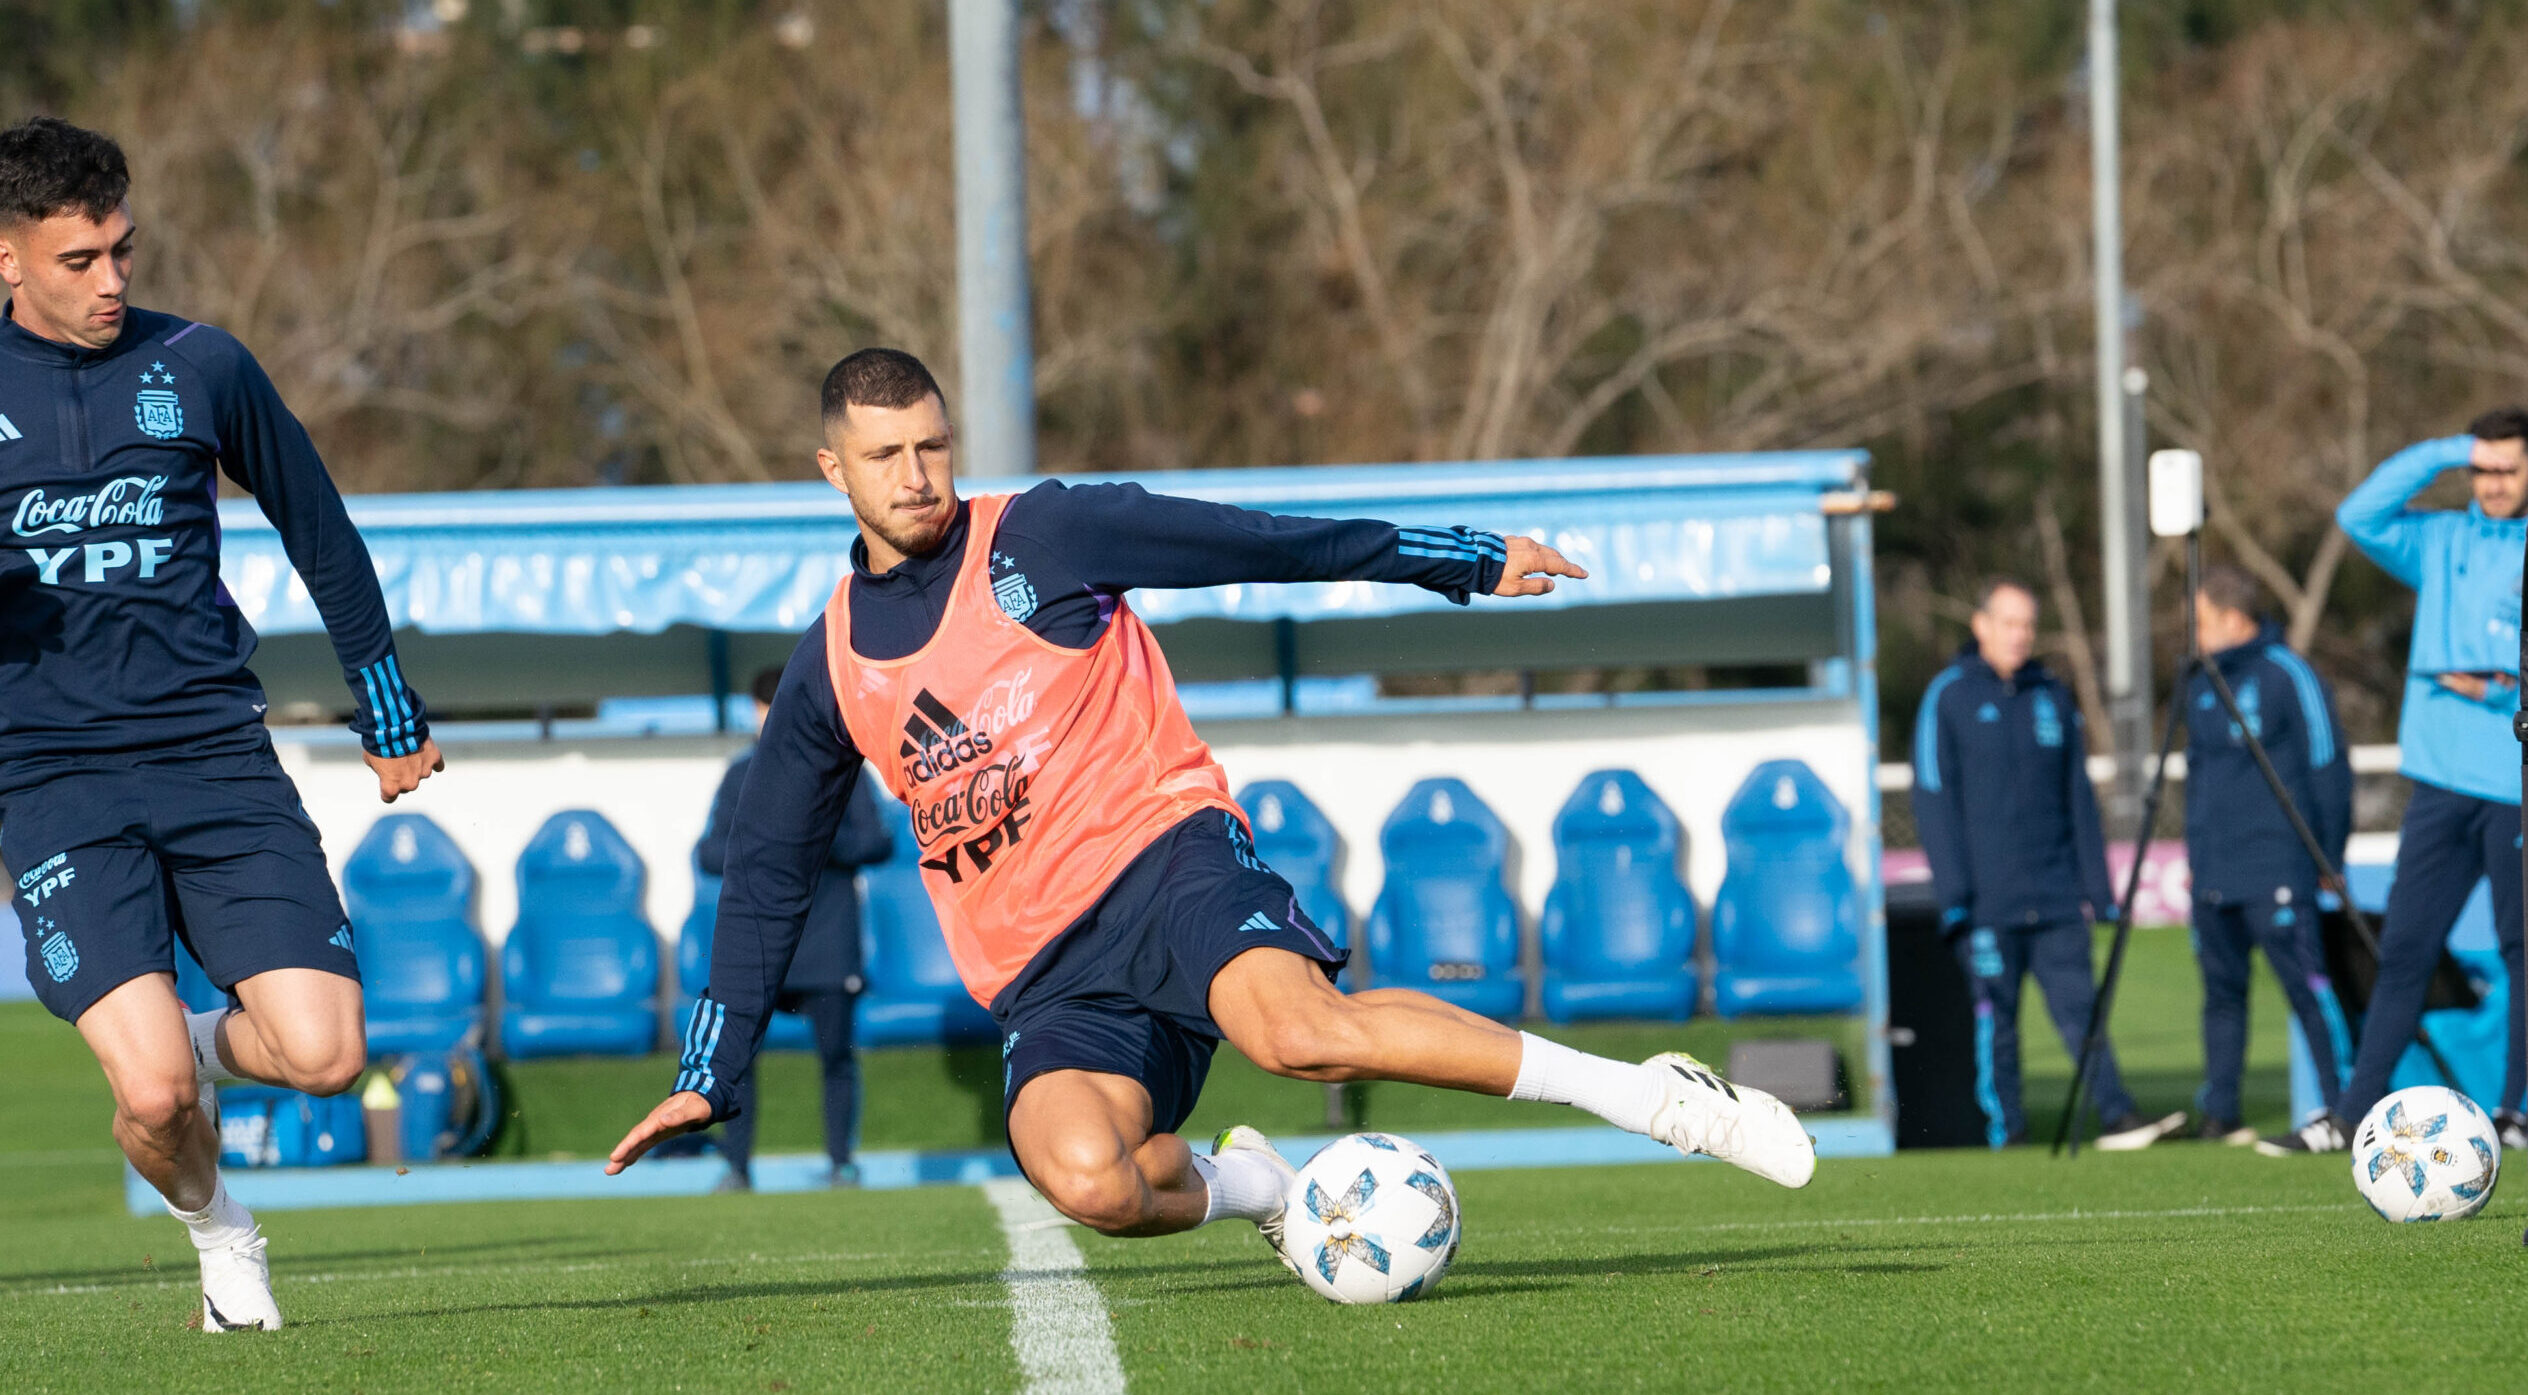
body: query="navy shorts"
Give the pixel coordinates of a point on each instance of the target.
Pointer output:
(117, 856)
(1126, 990)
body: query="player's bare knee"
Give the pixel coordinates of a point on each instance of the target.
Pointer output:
(161, 1107)
(1108, 1198)
(324, 1068)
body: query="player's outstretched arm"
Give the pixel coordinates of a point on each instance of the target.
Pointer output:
(681, 1112)
(403, 774)
(1532, 567)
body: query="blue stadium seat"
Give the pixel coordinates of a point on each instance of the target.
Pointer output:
(788, 1032)
(410, 892)
(1786, 929)
(580, 971)
(1443, 923)
(1296, 840)
(1618, 931)
(914, 995)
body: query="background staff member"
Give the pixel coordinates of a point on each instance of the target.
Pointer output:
(824, 980)
(2009, 824)
(2454, 742)
(2254, 885)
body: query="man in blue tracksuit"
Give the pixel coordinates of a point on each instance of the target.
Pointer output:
(139, 797)
(824, 980)
(2254, 883)
(2008, 820)
(2454, 741)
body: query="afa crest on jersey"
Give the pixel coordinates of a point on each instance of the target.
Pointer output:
(61, 957)
(157, 410)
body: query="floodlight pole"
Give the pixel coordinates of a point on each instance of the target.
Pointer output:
(2122, 536)
(996, 355)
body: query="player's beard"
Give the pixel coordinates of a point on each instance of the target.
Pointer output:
(913, 539)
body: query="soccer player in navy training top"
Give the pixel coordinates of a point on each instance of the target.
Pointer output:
(1095, 882)
(139, 795)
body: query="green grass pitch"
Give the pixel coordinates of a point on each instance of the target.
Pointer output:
(2187, 1267)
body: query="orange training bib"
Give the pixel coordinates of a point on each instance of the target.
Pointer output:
(1033, 772)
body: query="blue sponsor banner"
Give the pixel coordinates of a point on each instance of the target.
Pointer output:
(764, 557)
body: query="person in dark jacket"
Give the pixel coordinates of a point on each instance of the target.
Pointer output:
(2254, 883)
(824, 980)
(2009, 823)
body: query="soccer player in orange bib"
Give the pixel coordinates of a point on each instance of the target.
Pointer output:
(1097, 886)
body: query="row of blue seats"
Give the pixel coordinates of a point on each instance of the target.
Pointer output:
(580, 972)
(1617, 938)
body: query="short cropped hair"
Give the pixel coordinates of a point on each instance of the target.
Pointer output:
(1995, 585)
(2232, 588)
(889, 378)
(50, 167)
(2501, 424)
(767, 682)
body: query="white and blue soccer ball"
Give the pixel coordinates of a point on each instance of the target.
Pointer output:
(2426, 1153)
(1372, 1218)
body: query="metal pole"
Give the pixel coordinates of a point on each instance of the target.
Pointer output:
(2128, 694)
(996, 348)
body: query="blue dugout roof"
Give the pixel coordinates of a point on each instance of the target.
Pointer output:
(765, 557)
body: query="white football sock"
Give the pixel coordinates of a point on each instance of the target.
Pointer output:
(223, 1222)
(203, 1028)
(1243, 1186)
(1623, 1093)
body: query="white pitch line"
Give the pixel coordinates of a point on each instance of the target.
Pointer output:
(1982, 1218)
(1057, 1322)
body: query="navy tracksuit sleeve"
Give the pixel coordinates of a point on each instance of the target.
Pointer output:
(712, 853)
(264, 448)
(1121, 537)
(2319, 773)
(2089, 839)
(862, 838)
(779, 840)
(1940, 808)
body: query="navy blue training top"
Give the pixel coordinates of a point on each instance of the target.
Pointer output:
(2002, 800)
(1078, 547)
(2240, 846)
(115, 632)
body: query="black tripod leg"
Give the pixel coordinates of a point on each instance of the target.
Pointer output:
(2065, 1129)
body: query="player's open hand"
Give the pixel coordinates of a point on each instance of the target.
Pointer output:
(1532, 567)
(404, 774)
(682, 1112)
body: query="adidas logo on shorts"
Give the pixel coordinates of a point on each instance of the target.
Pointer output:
(341, 939)
(1259, 921)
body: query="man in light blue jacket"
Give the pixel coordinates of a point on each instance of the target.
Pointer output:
(2461, 688)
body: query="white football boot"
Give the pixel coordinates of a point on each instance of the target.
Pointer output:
(1737, 1124)
(237, 1288)
(1244, 1139)
(236, 1282)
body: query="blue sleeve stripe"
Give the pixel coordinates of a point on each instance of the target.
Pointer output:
(702, 1037)
(1927, 733)
(377, 711)
(1456, 542)
(387, 713)
(403, 698)
(2312, 704)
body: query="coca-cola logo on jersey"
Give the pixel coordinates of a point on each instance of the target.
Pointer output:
(991, 791)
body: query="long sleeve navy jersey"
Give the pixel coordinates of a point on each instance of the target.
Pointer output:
(2239, 843)
(829, 939)
(2002, 799)
(115, 632)
(1079, 547)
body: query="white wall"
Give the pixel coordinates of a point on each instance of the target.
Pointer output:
(493, 796)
